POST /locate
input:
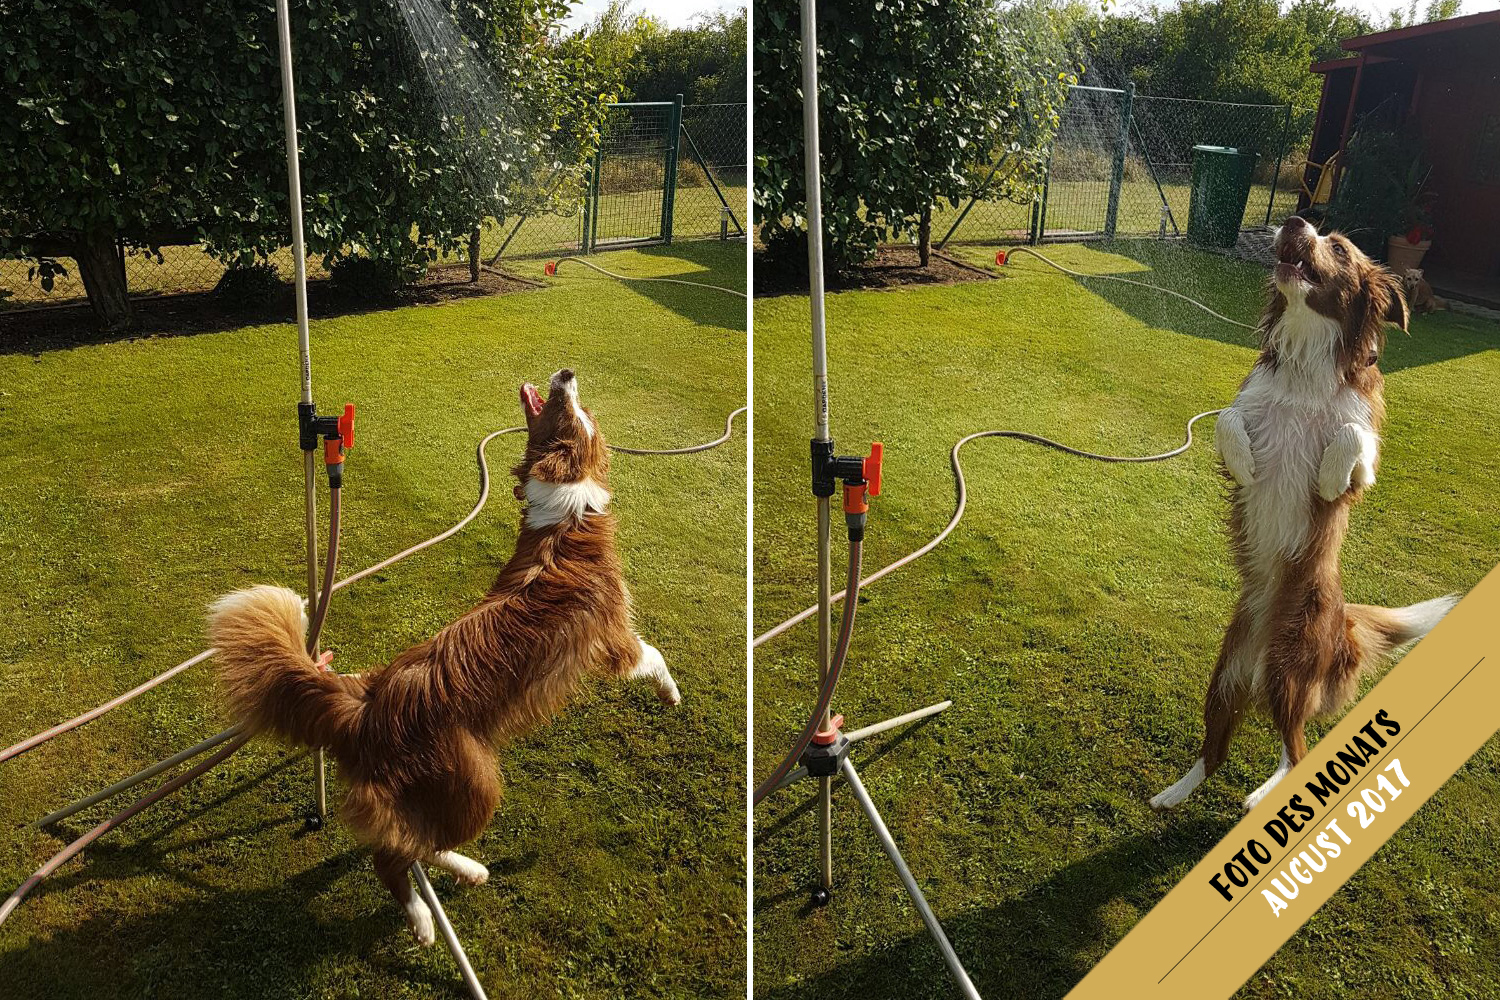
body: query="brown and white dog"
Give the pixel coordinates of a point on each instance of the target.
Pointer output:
(416, 740)
(1300, 444)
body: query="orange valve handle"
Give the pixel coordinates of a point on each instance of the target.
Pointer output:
(334, 445)
(829, 736)
(872, 467)
(346, 426)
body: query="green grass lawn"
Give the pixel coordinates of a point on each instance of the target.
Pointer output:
(140, 479)
(189, 269)
(1074, 617)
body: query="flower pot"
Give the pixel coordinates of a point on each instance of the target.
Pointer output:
(1402, 256)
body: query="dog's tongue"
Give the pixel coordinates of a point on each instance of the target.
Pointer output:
(531, 400)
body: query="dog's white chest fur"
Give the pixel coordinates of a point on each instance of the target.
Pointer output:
(1291, 413)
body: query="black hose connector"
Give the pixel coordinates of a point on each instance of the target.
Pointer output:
(855, 523)
(828, 468)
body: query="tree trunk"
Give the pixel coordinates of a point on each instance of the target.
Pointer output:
(103, 277)
(924, 236)
(474, 256)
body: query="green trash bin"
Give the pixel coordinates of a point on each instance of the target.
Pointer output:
(1221, 187)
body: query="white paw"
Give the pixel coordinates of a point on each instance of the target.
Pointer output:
(1171, 796)
(1258, 796)
(1240, 466)
(1166, 799)
(1363, 476)
(467, 871)
(1233, 444)
(1333, 481)
(669, 694)
(419, 919)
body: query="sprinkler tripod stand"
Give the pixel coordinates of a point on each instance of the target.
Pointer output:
(822, 750)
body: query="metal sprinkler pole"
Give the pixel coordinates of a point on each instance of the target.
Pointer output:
(822, 448)
(813, 183)
(299, 262)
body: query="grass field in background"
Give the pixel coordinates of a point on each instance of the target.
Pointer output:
(1073, 617)
(1081, 206)
(140, 479)
(190, 269)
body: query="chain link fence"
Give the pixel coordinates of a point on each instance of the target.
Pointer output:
(649, 190)
(1121, 165)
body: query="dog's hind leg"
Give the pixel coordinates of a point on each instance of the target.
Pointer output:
(650, 665)
(1223, 707)
(394, 870)
(1254, 799)
(466, 871)
(1296, 673)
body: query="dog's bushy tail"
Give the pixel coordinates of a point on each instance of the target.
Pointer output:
(1378, 632)
(273, 686)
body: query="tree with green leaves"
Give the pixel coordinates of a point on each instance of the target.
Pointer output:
(159, 123)
(704, 61)
(1244, 51)
(918, 99)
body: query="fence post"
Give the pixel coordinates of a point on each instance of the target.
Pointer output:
(1286, 135)
(669, 182)
(1039, 208)
(591, 214)
(1117, 175)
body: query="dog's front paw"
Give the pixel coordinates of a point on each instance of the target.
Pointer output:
(1233, 443)
(1334, 480)
(668, 693)
(1241, 467)
(419, 920)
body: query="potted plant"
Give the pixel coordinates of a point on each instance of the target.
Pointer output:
(1405, 248)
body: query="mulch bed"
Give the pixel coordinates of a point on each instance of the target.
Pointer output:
(203, 312)
(893, 267)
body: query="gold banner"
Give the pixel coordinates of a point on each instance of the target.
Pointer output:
(1262, 882)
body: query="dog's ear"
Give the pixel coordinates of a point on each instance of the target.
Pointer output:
(563, 463)
(1389, 294)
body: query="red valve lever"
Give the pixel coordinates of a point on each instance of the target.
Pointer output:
(872, 467)
(829, 736)
(346, 426)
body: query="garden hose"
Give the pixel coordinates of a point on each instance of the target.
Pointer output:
(850, 593)
(830, 682)
(552, 267)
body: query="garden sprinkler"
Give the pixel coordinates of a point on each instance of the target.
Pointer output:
(822, 750)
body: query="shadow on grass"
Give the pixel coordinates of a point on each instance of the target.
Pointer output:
(696, 305)
(179, 315)
(1039, 944)
(259, 941)
(1237, 289)
(244, 933)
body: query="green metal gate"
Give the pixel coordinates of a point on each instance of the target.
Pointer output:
(633, 179)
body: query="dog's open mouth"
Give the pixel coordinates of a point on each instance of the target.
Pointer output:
(1291, 266)
(531, 400)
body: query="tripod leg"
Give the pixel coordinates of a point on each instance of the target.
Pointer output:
(955, 967)
(450, 938)
(901, 720)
